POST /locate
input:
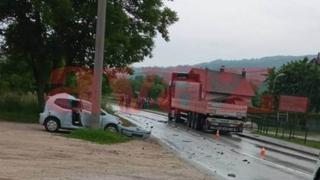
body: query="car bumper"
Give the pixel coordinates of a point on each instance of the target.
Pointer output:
(135, 132)
(42, 117)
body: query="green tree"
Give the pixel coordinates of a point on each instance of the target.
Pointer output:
(156, 90)
(15, 78)
(106, 87)
(149, 86)
(302, 78)
(136, 83)
(256, 100)
(50, 34)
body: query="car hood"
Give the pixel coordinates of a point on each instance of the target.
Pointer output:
(110, 119)
(135, 132)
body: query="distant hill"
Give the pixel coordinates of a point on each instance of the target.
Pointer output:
(257, 69)
(265, 62)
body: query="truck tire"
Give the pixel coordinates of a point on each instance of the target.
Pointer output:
(170, 116)
(200, 122)
(240, 129)
(194, 120)
(189, 121)
(177, 118)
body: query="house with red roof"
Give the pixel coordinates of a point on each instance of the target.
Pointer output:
(225, 87)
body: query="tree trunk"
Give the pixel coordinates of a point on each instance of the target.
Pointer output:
(39, 77)
(40, 96)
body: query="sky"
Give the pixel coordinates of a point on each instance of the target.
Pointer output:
(237, 29)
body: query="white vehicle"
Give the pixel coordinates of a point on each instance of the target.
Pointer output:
(63, 111)
(316, 173)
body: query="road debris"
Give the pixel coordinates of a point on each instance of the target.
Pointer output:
(231, 175)
(186, 141)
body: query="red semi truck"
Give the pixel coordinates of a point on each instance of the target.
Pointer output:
(207, 99)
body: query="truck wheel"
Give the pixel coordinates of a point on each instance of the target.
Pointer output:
(200, 123)
(206, 124)
(169, 116)
(196, 121)
(193, 120)
(189, 121)
(177, 117)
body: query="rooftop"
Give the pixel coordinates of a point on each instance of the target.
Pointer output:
(224, 82)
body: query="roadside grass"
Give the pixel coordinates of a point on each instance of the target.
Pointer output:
(21, 117)
(98, 136)
(300, 141)
(16, 107)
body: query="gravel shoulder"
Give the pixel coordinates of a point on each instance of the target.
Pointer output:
(28, 152)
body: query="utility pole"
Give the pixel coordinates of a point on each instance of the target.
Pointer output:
(275, 81)
(98, 64)
(276, 105)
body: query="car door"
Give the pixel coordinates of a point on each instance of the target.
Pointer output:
(86, 113)
(64, 112)
(77, 113)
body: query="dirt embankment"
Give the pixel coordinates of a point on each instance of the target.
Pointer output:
(28, 152)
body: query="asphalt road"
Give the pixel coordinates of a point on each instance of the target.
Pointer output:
(226, 157)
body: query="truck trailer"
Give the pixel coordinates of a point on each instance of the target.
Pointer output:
(210, 100)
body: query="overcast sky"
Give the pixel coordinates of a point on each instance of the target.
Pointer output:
(236, 29)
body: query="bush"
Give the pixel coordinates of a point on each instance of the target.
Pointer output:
(18, 102)
(19, 107)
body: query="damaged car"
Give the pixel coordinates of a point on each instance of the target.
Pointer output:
(64, 111)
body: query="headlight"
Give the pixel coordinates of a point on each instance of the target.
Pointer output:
(120, 122)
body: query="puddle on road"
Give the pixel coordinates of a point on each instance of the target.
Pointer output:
(215, 156)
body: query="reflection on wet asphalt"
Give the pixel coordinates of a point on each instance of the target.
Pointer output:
(227, 157)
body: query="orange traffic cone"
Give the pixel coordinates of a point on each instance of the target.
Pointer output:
(217, 134)
(263, 152)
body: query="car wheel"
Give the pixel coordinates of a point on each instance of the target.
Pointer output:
(111, 128)
(52, 125)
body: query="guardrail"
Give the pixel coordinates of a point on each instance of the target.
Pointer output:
(286, 125)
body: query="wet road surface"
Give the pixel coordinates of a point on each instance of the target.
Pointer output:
(226, 157)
